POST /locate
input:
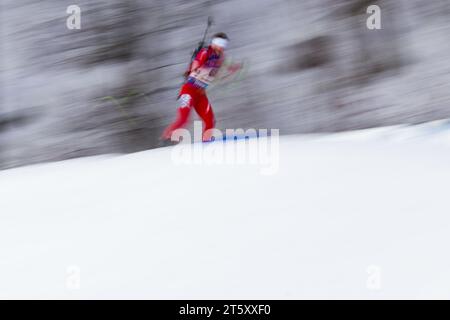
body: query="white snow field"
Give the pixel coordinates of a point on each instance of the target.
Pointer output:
(362, 214)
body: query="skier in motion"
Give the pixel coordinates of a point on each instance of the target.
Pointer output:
(200, 74)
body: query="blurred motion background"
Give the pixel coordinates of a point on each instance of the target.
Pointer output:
(310, 66)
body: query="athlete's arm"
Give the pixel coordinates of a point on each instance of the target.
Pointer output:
(234, 68)
(195, 65)
(200, 59)
(231, 70)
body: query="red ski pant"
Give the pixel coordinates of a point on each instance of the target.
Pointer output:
(192, 97)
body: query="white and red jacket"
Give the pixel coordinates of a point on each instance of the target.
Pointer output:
(209, 62)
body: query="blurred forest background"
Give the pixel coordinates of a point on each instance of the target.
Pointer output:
(310, 66)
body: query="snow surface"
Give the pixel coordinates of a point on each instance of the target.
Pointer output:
(353, 215)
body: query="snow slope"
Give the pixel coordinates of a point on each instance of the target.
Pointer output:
(354, 215)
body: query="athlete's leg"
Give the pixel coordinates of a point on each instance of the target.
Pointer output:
(185, 105)
(204, 110)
